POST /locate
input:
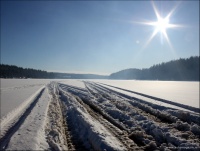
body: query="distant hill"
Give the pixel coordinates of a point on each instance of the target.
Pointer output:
(177, 70)
(11, 71)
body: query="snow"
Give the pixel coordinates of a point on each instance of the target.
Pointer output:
(31, 134)
(12, 117)
(182, 92)
(45, 114)
(73, 82)
(153, 101)
(90, 129)
(20, 83)
(15, 91)
(55, 127)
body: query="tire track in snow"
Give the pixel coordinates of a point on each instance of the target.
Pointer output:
(169, 117)
(59, 131)
(120, 135)
(105, 94)
(135, 138)
(4, 140)
(159, 99)
(55, 129)
(120, 132)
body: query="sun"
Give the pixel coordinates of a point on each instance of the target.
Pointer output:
(161, 25)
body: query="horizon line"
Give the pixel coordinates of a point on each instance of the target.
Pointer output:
(79, 72)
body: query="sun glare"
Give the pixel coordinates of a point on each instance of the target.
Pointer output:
(161, 25)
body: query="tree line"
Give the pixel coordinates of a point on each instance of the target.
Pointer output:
(11, 71)
(175, 70)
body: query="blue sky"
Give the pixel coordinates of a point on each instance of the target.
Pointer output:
(95, 36)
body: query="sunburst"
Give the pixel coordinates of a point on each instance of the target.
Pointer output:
(161, 25)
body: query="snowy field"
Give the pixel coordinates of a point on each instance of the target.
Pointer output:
(177, 91)
(16, 91)
(99, 115)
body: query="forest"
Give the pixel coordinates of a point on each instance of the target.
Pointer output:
(11, 71)
(175, 70)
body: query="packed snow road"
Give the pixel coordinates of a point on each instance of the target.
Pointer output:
(86, 115)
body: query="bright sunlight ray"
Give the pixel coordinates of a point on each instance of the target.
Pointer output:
(161, 25)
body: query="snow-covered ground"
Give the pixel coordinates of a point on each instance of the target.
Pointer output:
(183, 92)
(21, 83)
(89, 115)
(74, 82)
(16, 91)
(31, 133)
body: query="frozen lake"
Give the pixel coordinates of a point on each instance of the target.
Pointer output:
(30, 107)
(16, 91)
(178, 91)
